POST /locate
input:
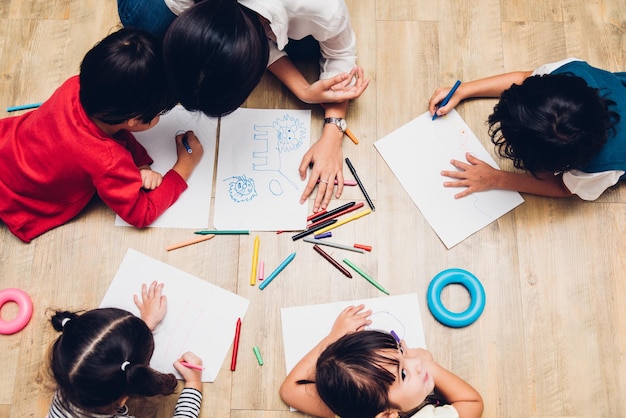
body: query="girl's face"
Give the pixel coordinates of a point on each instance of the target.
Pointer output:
(413, 380)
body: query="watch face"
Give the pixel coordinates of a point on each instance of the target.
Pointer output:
(342, 124)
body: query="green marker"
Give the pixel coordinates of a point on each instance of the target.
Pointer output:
(257, 354)
(365, 276)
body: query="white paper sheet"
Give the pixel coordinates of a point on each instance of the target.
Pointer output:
(305, 326)
(192, 208)
(257, 184)
(201, 317)
(417, 153)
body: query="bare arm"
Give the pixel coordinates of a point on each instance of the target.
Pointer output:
(484, 87)
(465, 399)
(477, 176)
(304, 397)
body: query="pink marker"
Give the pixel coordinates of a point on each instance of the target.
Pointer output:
(261, 271)
(191, 366)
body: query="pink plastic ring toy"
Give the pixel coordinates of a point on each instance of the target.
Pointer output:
(25, 306)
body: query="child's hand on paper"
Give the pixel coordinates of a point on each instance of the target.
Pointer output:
(438, 96)
(153, 305)
(477, 176)
(192, 376)
(351, 319)
(150, 179)
(187, 161)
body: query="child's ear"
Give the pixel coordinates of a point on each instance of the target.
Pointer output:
(388, 414)
(131, 123)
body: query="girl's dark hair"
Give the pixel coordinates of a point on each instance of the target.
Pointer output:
(215, 54)
(551, 123)
(123, 77)
(350, 375)
(86, 360)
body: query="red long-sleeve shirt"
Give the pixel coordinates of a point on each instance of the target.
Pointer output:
(55, 158)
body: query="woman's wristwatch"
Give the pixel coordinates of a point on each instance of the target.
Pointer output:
(339, 122)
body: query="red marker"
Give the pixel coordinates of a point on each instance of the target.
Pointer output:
(233, 363)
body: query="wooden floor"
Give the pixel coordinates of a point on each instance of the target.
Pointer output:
(552, 339)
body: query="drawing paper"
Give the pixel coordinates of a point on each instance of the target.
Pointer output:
(201, 317)
(192, 209)
(417, 153)
(305, 326)
(257, 185)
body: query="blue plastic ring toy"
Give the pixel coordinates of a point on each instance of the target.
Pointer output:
(465, 279)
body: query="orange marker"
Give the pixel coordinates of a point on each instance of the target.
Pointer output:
(363, 247)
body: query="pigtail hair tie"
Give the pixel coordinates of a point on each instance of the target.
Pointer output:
(124, 365)
(65, 321)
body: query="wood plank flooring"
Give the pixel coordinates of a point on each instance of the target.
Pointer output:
(552, 339)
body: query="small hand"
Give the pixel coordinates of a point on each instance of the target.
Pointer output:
(327, 158)
(438, 96)
(153, 305)
(351, 319)
(337, 89)
(192, 376)
(477, 176)
(150, 179)
(187, 161)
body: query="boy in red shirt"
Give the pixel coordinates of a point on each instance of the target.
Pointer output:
(54, 159)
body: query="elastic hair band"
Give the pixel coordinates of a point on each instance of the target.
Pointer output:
(126, 363)
(65, 321)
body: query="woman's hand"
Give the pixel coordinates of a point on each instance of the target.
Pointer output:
(337, 89)
(153, 305)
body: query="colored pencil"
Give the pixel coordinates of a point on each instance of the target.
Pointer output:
(280, 268)
(331, 212)
(448, 97)
(395, 336)
(358, 181)
(233, 361)
(255, 260)
(257, 354)
(223, 232)
(333, 244)
(345, 221)
(261, 270)
(347, 210)
(363, 247)
(332, 261)
(189, 242)
(313, 228)
(365, 276)
(324, 235)
(191, 366)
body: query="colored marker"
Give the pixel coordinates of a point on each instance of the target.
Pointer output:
(223, 232)
(191, 366)
(333, 244)
(345, 221)
(308, 218)
(363, 247)
(394, 335)
(358, 181)
(365, 276)
(255, 260)
(233, 362)
(257, 354)
(280, 268)
(23, 107)
(324, 235)
(332, 261)
(351, 136)
(261, 270)
(186, 144)
(332, 212)
(313, 228)
(347, 210)
(189, 242)
(448, 97)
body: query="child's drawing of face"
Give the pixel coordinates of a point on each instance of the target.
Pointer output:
(242, 189)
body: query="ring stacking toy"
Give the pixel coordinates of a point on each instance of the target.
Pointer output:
(25, 306)
(465, 279)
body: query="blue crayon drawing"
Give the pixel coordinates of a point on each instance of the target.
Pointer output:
(241, 188)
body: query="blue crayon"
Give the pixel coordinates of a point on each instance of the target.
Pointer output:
(23, 107)
(273, 274)
(323, 235)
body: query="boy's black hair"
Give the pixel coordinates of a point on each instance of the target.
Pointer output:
(123, 77)
(215, 54)
(86, 359)
(551, 123)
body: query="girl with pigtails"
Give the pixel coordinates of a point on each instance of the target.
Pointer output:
(103, 356)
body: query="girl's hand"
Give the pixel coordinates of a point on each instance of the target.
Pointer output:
(153, 305)
(351, 319)
(337, 89)
(192, 376)
(438, 96)
(150, 179)
(326, 156)
(477, 176)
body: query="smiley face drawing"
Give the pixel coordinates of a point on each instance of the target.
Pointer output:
(241, 189)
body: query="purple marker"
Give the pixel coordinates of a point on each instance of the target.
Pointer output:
(324, 235)
(394, 335)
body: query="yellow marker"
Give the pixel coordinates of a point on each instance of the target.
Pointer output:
(255, 261)
(345, 221)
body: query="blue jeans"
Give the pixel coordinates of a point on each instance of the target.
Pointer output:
(151, 15)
